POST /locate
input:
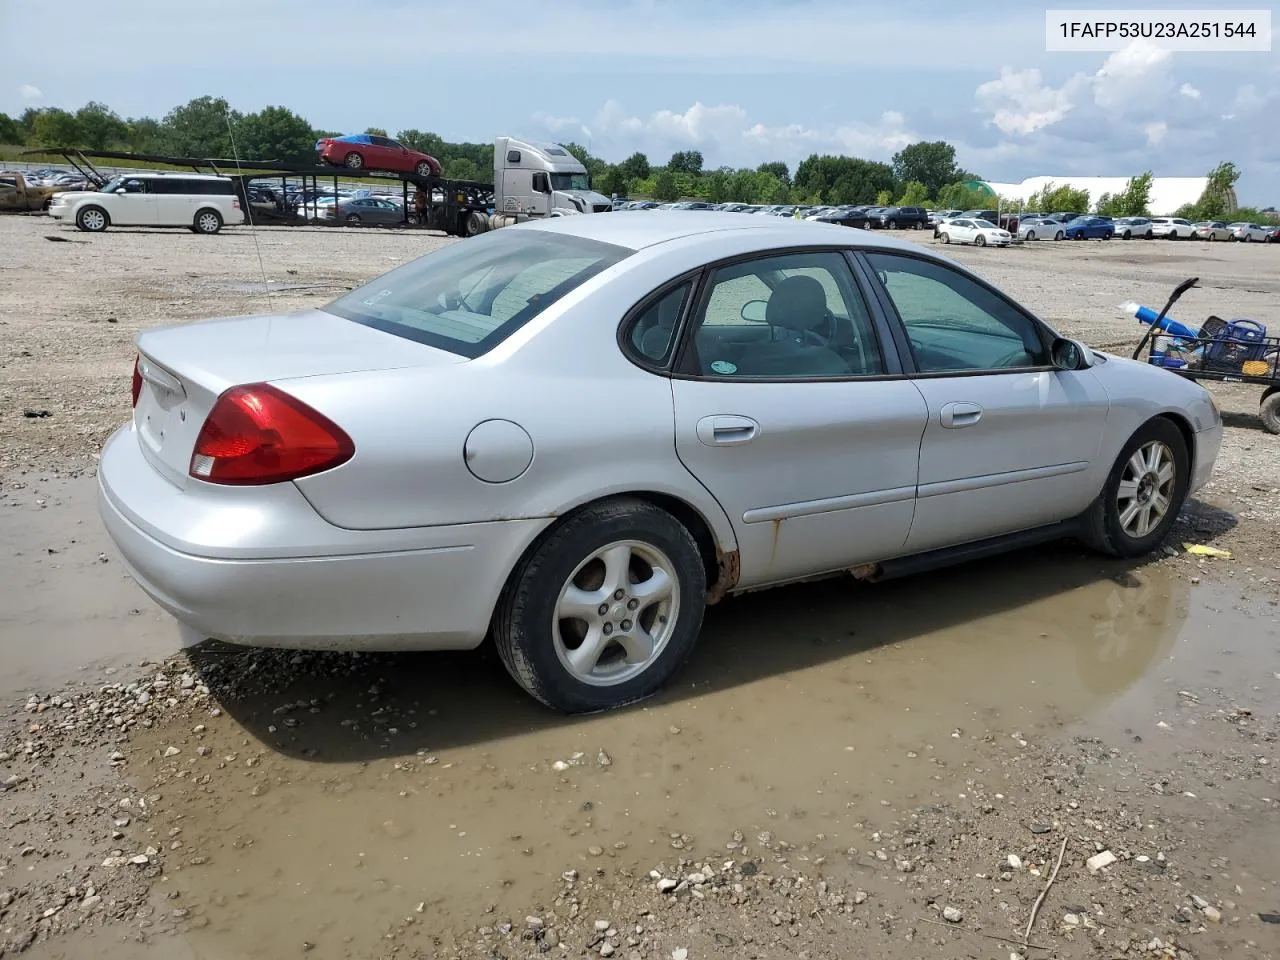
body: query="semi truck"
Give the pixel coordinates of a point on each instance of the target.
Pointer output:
(531, 179)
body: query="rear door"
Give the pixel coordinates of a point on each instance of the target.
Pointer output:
(791, 414)
(175, 200)
(1010, 439)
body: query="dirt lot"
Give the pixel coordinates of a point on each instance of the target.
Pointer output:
(841, 770)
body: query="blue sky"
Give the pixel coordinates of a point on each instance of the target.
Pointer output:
(744, 82)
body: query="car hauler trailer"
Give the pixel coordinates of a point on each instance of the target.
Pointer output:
(531, 180)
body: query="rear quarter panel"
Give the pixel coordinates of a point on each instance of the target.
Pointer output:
(599, 424)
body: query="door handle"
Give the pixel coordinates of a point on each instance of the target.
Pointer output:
(960, 414)
(725, 430)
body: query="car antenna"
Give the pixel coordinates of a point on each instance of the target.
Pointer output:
(248, 207)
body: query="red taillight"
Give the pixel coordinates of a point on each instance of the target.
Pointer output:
(257, 434)
(137, 380)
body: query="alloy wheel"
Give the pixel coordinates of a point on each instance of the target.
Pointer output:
(616, 613)
(1145, 492)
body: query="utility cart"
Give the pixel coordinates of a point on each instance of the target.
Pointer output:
(1231, 351)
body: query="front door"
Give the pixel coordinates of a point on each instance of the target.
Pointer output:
(1010, 439)
(783, 411)
(137, 206)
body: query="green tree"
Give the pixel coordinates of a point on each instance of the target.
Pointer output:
(777, 168)
(428, 143)
(834, 179)
(614, 181)
(375, 131)
(932, 163)
(1219, 196)
(144, 135)
(10, 131)
(99, 126)
(686, 161)
(635, 167)
(461, 168)
(27, 121)
(275, 133)
(54, 127)
(967, 195)
(884, 198)
(1053, 199)
(1132, 201)
(665, 188)
(915, 194)
(200, 128)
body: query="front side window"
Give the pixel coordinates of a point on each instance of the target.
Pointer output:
(569, 181)
(469, 297)
(791, 316)
(953, 322)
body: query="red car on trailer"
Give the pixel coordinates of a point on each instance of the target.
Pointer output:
(359, 151)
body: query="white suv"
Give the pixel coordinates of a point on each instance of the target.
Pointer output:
(1172, 228)
(200, 202)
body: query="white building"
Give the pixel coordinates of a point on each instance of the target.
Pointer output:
(1167, 193)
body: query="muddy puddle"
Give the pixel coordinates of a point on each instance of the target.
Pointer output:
(336, 799)
(68, 610)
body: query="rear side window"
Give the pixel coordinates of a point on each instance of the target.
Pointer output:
(190, 186)
(470, 296)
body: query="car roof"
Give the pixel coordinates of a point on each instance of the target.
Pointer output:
(175, 173)
(661, 226)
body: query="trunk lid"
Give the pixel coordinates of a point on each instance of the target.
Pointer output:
(185, 369)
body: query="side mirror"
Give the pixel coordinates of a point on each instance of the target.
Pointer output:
(1071, 354)
(121, 190)
(754, 311)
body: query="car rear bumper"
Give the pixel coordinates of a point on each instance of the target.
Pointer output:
(322, 587)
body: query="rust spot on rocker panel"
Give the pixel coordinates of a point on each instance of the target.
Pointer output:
(729, 566)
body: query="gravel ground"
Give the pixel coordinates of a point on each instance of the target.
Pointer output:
(826, 773)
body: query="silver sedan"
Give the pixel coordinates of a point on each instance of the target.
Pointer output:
(573, 435)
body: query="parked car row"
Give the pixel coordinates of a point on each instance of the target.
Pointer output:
(1098, 227)
(863, 216)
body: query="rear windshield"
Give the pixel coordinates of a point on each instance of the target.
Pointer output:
(470, 296)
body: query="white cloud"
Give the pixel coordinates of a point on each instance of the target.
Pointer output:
(1021, 103)
(1134, 76)
(1187, 90)
(726, 133)
(29, 92)
(1249, 98)
(1133, 79)
(1155, 132)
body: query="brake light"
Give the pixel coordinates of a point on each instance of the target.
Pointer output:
(137, 379)
(258, 434)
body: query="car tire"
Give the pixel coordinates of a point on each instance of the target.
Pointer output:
(1156, 443)
(1269, 412)
(1150, 236)
(423, 169)
(534, 638)
(207, 222)
(979, 241)
(353, 161)
(1059, 235)
(891, 225)
(944, 237)
(92, 219)
(1031, 234)
(915, 226)
(353, 219)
